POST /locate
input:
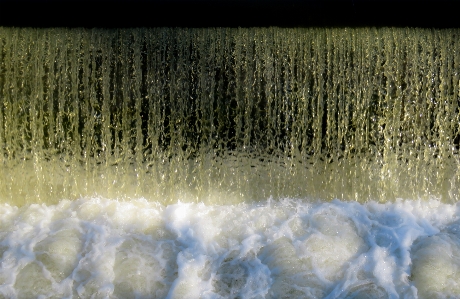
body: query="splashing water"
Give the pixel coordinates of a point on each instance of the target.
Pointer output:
(137, 163)
(284, 249)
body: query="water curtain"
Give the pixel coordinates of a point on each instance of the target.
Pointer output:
(252, 113)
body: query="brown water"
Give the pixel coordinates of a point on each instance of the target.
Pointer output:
(229, 115)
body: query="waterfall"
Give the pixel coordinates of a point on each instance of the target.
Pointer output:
(229, 162)
(355, 114)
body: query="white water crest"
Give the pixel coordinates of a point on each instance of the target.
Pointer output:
(100, 248)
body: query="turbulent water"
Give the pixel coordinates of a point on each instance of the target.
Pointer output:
(229, 163)
(99, 248)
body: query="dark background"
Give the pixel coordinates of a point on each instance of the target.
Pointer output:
(229, 13)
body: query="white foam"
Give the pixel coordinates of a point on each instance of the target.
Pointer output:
(289, 249)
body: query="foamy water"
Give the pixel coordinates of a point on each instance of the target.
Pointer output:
(100, 248)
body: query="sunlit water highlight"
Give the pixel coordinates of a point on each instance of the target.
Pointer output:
(100, 248)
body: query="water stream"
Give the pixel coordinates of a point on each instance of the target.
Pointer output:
(229, 163)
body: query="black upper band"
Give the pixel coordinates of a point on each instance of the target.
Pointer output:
(229, 13)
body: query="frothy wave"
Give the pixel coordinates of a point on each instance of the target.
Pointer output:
(100, 248)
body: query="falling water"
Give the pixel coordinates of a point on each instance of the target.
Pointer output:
(362, 114)
(121, 122)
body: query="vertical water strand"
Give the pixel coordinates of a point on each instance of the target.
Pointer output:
(173, 145)
(183, 96)
(125, 101)
(287, 111)
(112, 69)
(401, 141)
(95, 110)
(206, 112)
(164, 119)
(47, 165)
(362, 121)
(135, 93)
(251, 144)
(195, 85)
(21, 109)
(407, 138)
(228, 86)
(293, 91)
(298, 89)
(455, 181)
(36, 112)
(296, 172)
(106, 73)
(301, 128)
(60, 179)
(199, 141)
(50, 164)
(346, 111)
(330, 135)
(446, 118)
(11, 108)
(199, 113)
(319, 113)
(76, 164)
(220, 110)
(306, 106)
(263, 89)
(358, 117)
(390, 116)
(17, 107)
(259, 118)
(278, 113)
(218, 117)
(335, 91)
(7, 175)
(236, 66)
(165, 110)
(266, 45)
(90, 111)
(438, 111)
(172, 102)
(339, 96)
(430, 148)
(156, 113)
(373, 130)
(245, 109)
(84, 128)
(452, 119)
(422, 110)
(352, 107)
(136, 88)
(351, 103)
(3, 82)
(378, 83)
(253, 151)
